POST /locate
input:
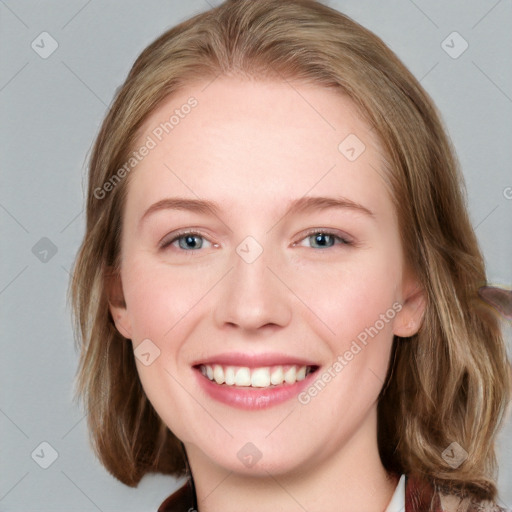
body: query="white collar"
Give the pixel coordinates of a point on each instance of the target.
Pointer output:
(397, 503)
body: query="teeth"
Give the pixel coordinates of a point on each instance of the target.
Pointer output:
(290, 376)
(229, 375)
(243, 377)
(256, 377)
(218, 374)
(260, 378)
(277, 376)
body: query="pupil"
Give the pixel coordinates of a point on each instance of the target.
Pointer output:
(191, 242)
(321, 239)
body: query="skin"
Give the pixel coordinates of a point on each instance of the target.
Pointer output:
(253, 147)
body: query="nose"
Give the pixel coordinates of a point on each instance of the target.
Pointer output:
(252, 298)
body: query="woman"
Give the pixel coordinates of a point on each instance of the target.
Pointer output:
(277, 291)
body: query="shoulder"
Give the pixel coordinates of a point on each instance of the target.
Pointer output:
(183, 500)
(450, 503)
(422, 496)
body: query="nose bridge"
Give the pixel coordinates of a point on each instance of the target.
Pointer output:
(252, 297)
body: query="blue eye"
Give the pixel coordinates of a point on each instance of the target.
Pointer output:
(191, 241)
(324, 240)
(187, 241)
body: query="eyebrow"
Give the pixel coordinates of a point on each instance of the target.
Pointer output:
(301, 205)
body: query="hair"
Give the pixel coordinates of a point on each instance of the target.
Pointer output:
(448, 383)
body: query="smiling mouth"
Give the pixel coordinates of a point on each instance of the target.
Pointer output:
(259, 377)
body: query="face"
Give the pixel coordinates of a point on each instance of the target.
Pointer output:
(262, 274)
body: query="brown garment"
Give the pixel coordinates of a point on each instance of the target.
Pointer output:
(420, 496)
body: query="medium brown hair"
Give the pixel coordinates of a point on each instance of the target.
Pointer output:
(449, 382)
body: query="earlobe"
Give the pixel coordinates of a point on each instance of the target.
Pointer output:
(116, 302)
(408, 321)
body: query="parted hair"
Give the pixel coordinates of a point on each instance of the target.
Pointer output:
(448, 383)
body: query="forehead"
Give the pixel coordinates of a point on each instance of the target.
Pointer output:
(252, 144)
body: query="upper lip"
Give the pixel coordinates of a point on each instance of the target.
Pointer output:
(254, 360)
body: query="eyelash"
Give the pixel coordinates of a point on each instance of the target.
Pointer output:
(335, 235)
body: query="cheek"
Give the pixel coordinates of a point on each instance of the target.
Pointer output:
(359, 307)
(350, 299)
(166, 391)
(158, 297)
(163, 305)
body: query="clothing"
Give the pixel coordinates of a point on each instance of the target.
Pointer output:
(397, 502)
(418, 496)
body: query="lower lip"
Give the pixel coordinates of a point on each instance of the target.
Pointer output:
(249, 397)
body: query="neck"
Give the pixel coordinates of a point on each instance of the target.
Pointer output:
(352, 478)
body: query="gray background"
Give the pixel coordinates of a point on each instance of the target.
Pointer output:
(51, 109)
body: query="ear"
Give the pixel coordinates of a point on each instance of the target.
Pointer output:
(408, 320)
(116, 302)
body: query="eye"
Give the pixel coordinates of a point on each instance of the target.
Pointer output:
(321, 239)
(191, 241)
(186, 241)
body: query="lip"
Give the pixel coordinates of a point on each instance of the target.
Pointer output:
(249, 398)
(254, 360)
